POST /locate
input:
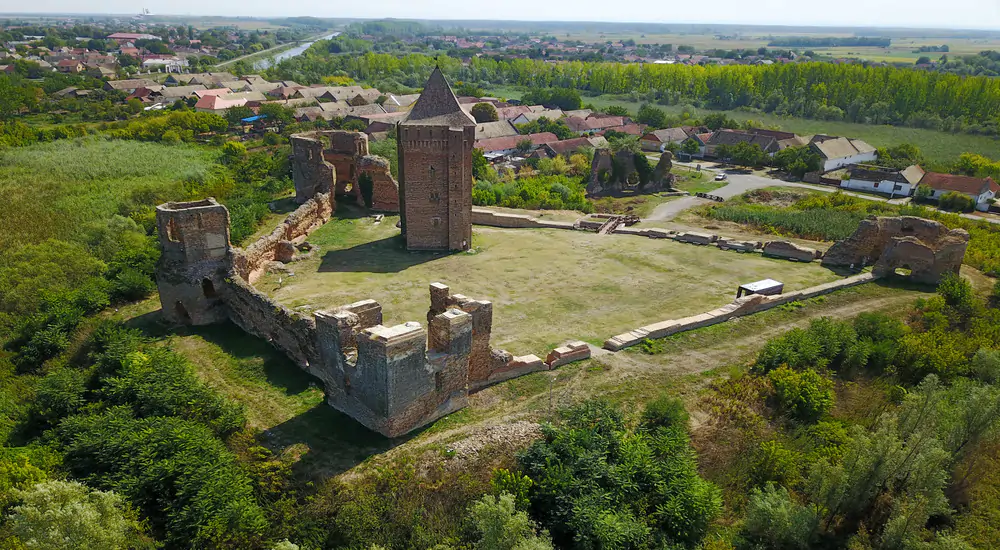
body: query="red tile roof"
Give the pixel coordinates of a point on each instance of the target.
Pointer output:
(963, 184)
(510, 142)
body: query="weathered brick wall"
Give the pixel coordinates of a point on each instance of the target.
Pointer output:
(385, 189)
(310, 172)
(436, 169)
(251, 262)
(194, 237)
(260, 316)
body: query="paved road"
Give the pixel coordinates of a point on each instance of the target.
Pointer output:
(741, 183)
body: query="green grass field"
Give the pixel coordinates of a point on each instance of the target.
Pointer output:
(547, 286)
(938, 147)
(53, 190)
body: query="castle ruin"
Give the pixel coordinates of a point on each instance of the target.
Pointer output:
(338, 161)
(392, 379)
(435, 144)
(925, 247)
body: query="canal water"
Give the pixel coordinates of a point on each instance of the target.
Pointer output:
(279, 57)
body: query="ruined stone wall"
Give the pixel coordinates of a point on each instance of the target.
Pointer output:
(194, 237)
(746, 305)
(251, 262)
(481, 311)
(436, 173)
(926, 247)
(611, 173)
(251, 310)
(385, 189)
(311, 173)
(481, 216)
(318, 168)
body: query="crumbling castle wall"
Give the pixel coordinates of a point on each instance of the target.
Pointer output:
(333, 160)
(255, 313)
(926, 247)
(612, 173)
(311, 173)
(251, 263)
(385, 189)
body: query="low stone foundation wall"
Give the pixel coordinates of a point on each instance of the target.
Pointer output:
(747, 305)
(514, 221)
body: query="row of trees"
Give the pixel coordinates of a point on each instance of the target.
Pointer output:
(858, 93)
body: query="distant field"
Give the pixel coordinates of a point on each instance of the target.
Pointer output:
(547, 285)
(938, 147)
(55, 189)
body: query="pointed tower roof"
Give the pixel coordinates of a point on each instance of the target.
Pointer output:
(437, 105)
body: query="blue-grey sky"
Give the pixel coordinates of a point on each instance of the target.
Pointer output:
(975, 14)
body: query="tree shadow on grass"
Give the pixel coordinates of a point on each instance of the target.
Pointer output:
(335, 441)
(387, 255)
(276, 369)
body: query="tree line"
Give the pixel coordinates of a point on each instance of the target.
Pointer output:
(852, 92)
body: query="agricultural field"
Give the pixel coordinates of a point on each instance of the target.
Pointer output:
(53, 190)
(547, 286)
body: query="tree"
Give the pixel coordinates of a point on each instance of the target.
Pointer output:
(524, 147)
(652, 116)
(481, 169)
(277, 113)
(616, 110)
(60, 515)
(484, 112)
(599, 484)
(774, 520)
(235, 115)
(691, 146)
(15, 96)
(498, 525)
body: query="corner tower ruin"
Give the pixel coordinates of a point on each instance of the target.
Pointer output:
(435, 170)
(195, 261)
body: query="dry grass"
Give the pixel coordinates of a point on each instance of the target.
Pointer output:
(547, 286)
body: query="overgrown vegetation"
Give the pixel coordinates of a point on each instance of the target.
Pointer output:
(835, 216)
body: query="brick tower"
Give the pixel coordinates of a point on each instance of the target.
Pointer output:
(435, 170)
(195, 261)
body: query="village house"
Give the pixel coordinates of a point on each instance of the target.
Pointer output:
(508, 144)
(525, 118)
(981, 190)
(876, 179)
(593, 124)
(218, 104)
(499, 128)
(69, 66)
(837, 152)
(568, 147)
(732, 137)
(129, 86)
(659, 140)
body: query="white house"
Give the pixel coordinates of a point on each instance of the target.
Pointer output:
(837, 152)
(875, 179)
(982, 190)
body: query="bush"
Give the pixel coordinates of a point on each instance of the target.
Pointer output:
(665, 411)
(540, 192)
(775, 521)
(600, 485)
(776, 464)
(806, 395)
(957, 202)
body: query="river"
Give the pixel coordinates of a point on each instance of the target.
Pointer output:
(297, 50)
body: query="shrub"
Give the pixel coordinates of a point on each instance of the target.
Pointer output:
(665, 411)
(774, 463)
(986, 365)
(777, 522)
(499, 525)
(806, 395)
(956, 202)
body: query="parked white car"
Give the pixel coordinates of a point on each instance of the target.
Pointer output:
(721, 177)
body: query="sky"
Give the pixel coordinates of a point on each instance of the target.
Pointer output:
(972, 14)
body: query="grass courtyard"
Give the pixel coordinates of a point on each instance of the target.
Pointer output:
(547, 285)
